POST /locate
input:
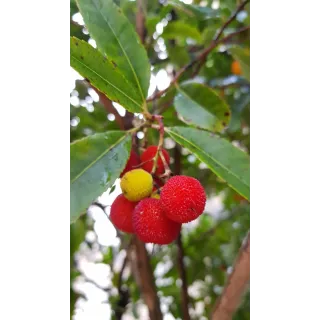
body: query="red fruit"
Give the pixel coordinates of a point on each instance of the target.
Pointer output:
(132, 163)
(151, 224)
(183, 199)
(148, 156)
(121, 213)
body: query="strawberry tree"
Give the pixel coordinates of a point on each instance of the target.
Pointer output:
(161, 110)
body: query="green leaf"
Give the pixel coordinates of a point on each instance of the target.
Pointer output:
(243, 56)
(116, 37)
(112, 189)
(224, 159)
(104, 75)
(208, 34)
(178, 55)
(76, 31)
(193, 10)
(108, 256)
(237, 108)
(95, 163)
(151, 23)
(217, 66)
(181, 30)
(199, 105)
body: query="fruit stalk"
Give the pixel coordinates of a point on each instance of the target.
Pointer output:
(167, 172)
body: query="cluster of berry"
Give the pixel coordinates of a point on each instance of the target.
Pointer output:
(155, 216)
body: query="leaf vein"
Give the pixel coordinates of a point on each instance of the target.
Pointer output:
(208, 155)
(102, 78)
(98, 158)
(125, 53)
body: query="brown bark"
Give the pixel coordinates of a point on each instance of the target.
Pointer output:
(183, 277)
(237, 285)
(145, 279)
(140, 20)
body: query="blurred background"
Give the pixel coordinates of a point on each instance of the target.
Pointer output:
(104, 282)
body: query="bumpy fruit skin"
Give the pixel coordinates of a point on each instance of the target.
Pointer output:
(235, 68)
(183, 199)
(121, 213)
(151, 224)
(132, 163)
(136, 185)
(147, 160)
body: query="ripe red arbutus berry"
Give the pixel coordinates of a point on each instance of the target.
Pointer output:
(151, 224)
(148, 156)
(121, 213)
(183, 199)
(132, 163)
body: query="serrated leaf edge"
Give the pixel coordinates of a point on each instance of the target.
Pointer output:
(228, 170)
(98, 158)
(127, 58)
(86, 66)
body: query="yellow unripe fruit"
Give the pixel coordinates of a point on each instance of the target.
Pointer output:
(136, 185)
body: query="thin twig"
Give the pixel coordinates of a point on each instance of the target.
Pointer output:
(140, 20)
(159, 152)
(237, 284)
(174, 80)
(165, 106)
(107, 103)
(97, 285)
(103, 208)
(205, 52)
(231, 18)
(177, 159)
(122, 270)
(100, 205)
(183, 277)
(146, 279)
(167, 171)
(124, 294)
(144, 141)
(155, 126)
(215, 41)
(159, 119)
